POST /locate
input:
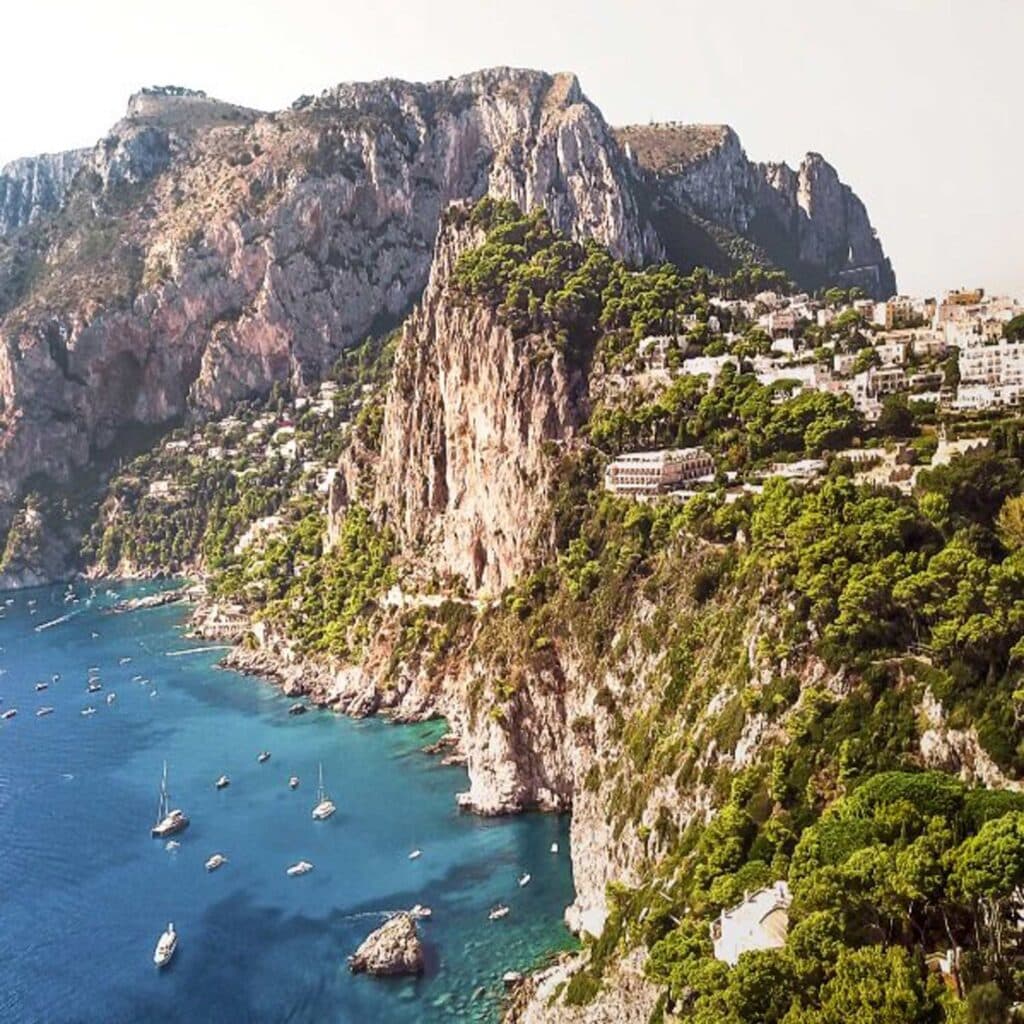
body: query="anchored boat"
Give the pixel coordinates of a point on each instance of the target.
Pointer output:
(168, 821)
(324, 805)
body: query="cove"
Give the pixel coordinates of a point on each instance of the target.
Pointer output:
(86, 891)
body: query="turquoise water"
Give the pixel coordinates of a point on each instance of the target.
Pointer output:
(85, 892)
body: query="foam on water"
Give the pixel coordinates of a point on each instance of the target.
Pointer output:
(86, 892)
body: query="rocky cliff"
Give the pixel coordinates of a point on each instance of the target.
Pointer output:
(211, 251)
(471, 419)
(710, 198)
(35, 186)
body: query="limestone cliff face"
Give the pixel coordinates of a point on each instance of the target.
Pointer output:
(807, 221)
(472, 419)
(207, 251)
(35, 186)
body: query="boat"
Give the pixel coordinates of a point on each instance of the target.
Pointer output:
(44, 711)
(168, 821)
(293, 782)
(415, 855)
(511, 978)
(171, 845)
(216, 861)
(111, 697)
(554, 847)
(55, 678)
(95, 635)
(302, 868)
(298, 708)
(42, 686)
(123, 661)
(223, 782)
(166, 946)
(94, 686)
(263, 756)
(324, 804)
(419, 912)
(88, 711)
(9, 713)
(524, 880)
(498, 912)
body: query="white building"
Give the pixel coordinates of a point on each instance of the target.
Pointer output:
(655, 472)
(761, 921)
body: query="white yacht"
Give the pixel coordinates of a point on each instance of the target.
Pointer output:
(293, 782)
(263, 756)
(302, 868)
(554, 847)
(88, 711)
(166, 946)
(42, 686)
(94, 686)
(524, 880)
(223, 782)
(216, 861)
(498, 912)
(9, 713)
(42, 712)
(415, 855)
(123, 661)
(324, 804)
(111, 697)
(168, 821)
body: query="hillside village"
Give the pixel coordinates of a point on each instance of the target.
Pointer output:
(949, 363)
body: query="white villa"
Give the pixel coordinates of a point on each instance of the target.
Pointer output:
(759, 922)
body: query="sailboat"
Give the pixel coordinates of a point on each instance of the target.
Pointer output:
(324, 804)
(168, 821)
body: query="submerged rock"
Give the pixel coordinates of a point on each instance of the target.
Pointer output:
(394, 948)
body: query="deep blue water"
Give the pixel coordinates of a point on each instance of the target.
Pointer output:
(85, 892)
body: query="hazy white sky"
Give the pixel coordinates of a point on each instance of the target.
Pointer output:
(916, 102)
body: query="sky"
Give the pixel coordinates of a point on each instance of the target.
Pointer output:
(917, 103)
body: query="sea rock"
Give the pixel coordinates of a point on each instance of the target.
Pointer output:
(394, 948)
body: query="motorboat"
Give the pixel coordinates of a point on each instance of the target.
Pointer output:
(88, 711)
(216, 861)
(55, 678)
(94, 686)
(298, 708)
(166, 946)
(9, 713)
(293, 782)
(42, 686)
(324, 804)
(415, 855)
(498, 912)
(554, 847)
(171, 845)
(524, 880)
(263, 756)
(419, 912)
(123, 661)
(111, 697)
(302, 868)
(168, 821)
(44, 711)
(223, 782)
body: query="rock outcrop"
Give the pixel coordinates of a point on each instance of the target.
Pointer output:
(711, 202)
(471, 418)
(394, 948)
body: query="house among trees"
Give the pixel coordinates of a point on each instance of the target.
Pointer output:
(657, 472)
(759, 922)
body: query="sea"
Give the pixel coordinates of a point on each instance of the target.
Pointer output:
(85, 892)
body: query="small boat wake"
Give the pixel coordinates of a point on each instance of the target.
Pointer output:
(58, 621)
(197, 650)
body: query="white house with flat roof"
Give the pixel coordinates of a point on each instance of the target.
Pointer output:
(761, 921)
